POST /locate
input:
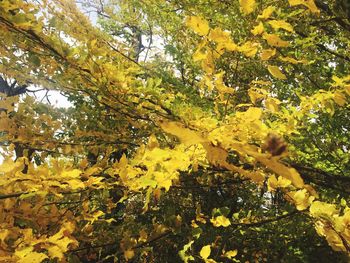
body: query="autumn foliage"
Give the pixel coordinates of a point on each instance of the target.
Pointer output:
(204, 131)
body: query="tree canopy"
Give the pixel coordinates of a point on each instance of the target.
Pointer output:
(199, 131)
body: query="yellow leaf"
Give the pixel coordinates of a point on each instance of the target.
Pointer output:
(152, 142)
(275, 41)
(283, 182)
(215, 155)
(219, 84)
(347, 89)
(84, 163)
(147, 200)
(293, 60)
(274, 183)
(301, 198)
(247, 6)
(220, 221)
(308, 3)
(252, 114)
(258, 30)
(75, 184)
(219, 36)
(231, 253)
(199, 55)
(276, 72)
(182, 253)
(321, 209)
(280, 169)
(129, 254)
(249, 48)
(255, 176)
(165, 184)
(61, 240)
(266, 54)
(27, 255)
(267, 12)
(229, 45)
(208, 63)
(198, 25)
(55, 252)
(272, 104)
(340, 82)
(277, 24)
(205, 252)
(186, 135)
(339, 98)
(11, 167)
(71, 173)
(123, 162)
(256, 94)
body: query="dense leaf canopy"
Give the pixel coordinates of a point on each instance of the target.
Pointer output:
(199, 131)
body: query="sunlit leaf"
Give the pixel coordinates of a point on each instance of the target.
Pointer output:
(275, 41)
(321, 209)
(258, 30)
(220, 221)
(276, 72)
(198, 25)
(266, 54)
(205, 252)
(281, 24)
(231, 253)
(247, 6)
(267, 12)
(308, 3)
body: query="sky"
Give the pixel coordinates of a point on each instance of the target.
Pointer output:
(52, 97)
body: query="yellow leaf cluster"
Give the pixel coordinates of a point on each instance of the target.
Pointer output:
(183, 253)
(223, 40)
(335, 235)
(274, 183)
(320, 209)
(301, 199)
(249, 48)
(282, 170)
(220, 221)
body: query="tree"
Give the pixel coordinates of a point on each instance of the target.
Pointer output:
(206, 131)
